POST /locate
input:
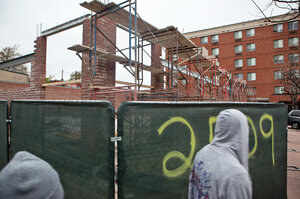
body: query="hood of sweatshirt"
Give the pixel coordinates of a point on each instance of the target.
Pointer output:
(26, 176)
(232, 134)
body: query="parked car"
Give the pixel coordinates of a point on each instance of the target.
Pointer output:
(294, 119)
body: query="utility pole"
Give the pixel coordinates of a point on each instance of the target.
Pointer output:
(62, 75)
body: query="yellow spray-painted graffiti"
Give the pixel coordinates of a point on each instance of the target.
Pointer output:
(187, 161)
(211, 121)
(252, 152)
(271, 132)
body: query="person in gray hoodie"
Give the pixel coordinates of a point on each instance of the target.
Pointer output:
(29, 177)
(220, 169)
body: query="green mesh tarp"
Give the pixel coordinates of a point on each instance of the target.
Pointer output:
(3, 134)
(74, 137)
(160, 140)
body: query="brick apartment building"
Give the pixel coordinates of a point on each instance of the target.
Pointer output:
(254, 51)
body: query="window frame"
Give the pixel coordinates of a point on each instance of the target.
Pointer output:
(250, 30)
(212, 50)
(237, 33)
(238, 61)
(277, 25)
(254, 91)
(203, 38)
(293, 25)
(292, 43)
(277, 41)
(280, 90)
(295, 60)
(279, 75)
(251, 49)
(236, 46)
(237, 74)
(215, 40)
(250, 79)
(281, 61)
(296, 71)
(251, 58)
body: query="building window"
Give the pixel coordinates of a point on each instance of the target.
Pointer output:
(238, 34)
(279, 90)
(278, 59)
(238, 62)
(295, 73)
(250, 32)
(278, 43)
(251, 61)
(294, 41)
(294, 58)
(278, 28)
(252, 91)
(238, 49)
(183, 82)
(204, 40)
(293, 25)
(277, 74)
(214, 38)
(251, 76)
(251, 47)
(215, 51)
(239, 76)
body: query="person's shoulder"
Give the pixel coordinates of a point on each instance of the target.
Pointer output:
(232, 166)
(236, 172)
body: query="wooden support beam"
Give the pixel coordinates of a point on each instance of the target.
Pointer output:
(62, 83)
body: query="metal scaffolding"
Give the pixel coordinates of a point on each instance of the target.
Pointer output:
(188, 71)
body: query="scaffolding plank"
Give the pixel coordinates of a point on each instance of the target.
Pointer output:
(113, 57)
(85, 49)
(171, 39)
(120, 16)
(62, 83)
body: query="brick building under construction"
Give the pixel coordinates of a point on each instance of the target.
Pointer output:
(187, 73)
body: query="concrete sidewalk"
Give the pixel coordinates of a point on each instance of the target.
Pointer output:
(293, 176)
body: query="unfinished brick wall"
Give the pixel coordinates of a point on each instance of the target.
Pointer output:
(104, 69)
(62, 93)
(34, 90)
(157, 80)
(38, 68)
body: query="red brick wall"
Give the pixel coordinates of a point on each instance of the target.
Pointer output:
(34, 90)
(157, 80)
(105, 69)
(62, 93)
(264, 53)
(10, 91)
(38, 68)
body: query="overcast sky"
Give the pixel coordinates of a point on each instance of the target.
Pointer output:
(19, 20)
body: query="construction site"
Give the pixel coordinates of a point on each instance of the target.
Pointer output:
(180, 70)
(110, 138)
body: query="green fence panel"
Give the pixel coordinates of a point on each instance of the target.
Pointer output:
(150, 131)
(3, 134)
(74, 137)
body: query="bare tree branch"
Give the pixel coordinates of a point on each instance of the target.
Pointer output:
(292, 7)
